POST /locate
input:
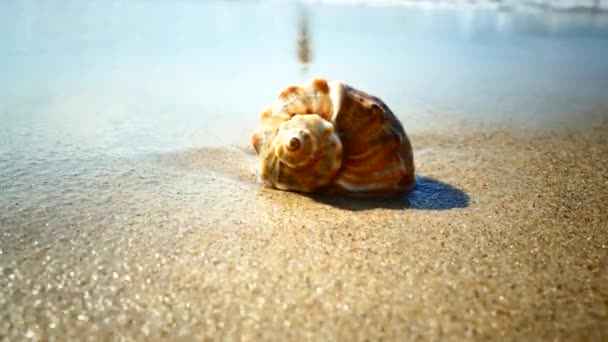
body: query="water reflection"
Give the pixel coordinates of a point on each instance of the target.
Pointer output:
(303, 41)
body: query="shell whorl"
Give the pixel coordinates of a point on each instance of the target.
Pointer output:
(295, 145)
(305, 154)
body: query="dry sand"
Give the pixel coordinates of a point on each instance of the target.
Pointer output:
(506, 236)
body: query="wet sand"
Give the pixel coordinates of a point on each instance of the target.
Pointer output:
(505, 236)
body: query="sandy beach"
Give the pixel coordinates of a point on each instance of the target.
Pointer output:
(505, 236)
(130, 207)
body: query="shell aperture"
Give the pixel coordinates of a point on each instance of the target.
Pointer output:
(328, 135)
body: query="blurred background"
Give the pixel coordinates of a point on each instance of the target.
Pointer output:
(150, 75)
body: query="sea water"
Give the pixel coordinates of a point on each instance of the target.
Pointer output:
(133, 76)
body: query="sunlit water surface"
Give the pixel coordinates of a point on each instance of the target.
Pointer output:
(128, 76)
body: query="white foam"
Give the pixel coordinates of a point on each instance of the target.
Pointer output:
(562, 5)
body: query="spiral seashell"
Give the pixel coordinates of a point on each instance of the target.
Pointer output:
(333, 136)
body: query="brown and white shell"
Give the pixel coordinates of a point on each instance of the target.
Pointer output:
(328, 135)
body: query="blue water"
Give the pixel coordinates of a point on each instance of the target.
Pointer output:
(133, 76)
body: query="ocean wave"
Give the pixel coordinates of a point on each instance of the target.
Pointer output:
(560, 5)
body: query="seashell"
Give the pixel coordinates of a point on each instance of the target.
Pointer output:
(331, 136)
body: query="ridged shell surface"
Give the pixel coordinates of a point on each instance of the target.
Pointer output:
(328, 135)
